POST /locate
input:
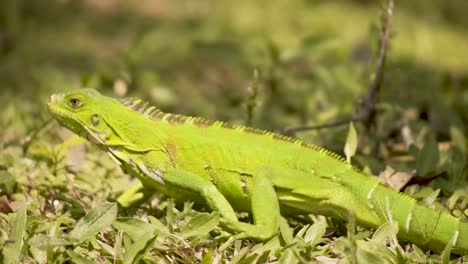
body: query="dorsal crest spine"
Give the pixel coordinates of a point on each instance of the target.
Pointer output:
(142, 107)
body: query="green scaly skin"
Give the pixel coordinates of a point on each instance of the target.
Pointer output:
(235, 168)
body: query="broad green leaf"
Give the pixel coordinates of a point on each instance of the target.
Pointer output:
(316, 231)
(200, 225)
(126, 241)
(399, 259)
(417, 255)
(263, 258)
(302, 231)
(262, 249)
(351, 143)
(252, 258)
(103, 247)
(342, 245)
(94, 221)
(382, 234)
(7, 182)
(240, 255)
(44, 242)
(431, 198)
(138, 249)
(134, 227)
(12, 251)
(170, 215)
(286, 231)
(77, 258)
(118, 246)
(288, 257)
(368, 252)
(158, 224)
(428, 157)
(208, 257)
(75, 207)
(445, 256)
(40, 256)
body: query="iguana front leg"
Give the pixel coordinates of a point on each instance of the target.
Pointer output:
(135, 196)
(265, 205)
(265, 209)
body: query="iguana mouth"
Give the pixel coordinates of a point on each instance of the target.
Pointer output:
(65, 118)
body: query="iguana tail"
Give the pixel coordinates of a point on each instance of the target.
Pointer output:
(428, 227)
(373, 204)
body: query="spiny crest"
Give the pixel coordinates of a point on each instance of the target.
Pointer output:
(202, 122)
(333, 155)
(152, 112)
(311, 146)
(256, 131)
(230, 125)
(287, 139)
(142, 107)
(175, 119)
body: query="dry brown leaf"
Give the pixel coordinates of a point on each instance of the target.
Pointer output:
(395, 179)
(5, 205)
(16, 205)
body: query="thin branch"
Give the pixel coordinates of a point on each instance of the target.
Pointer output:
(251, 103)
(318, 127)
(369, 106)
(367, 110)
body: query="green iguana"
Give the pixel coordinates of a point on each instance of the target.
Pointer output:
(232, 168)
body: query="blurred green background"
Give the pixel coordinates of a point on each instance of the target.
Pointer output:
(197, 57)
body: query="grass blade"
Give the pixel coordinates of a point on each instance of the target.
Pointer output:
(94, 221)
(12, 251)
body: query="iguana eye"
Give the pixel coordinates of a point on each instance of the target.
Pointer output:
(75, 102)
(95, 120)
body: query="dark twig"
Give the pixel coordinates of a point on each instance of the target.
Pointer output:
(252, 89)
(369, 106)
(367, 111)
(329, 125)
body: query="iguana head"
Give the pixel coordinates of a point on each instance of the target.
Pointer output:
(84, 112)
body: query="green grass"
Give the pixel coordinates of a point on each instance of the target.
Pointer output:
(314, 60)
